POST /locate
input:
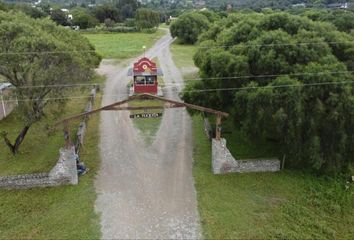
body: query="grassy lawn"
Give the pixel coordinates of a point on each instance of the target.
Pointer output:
(123, 45)
(183, 58)
(183, 54)
(147, 126)
(51, 213)
(286, 205)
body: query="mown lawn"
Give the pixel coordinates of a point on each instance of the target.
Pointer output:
(285, 205)
(123, 45)
(65, 212)
(148, 127)
(182, 55)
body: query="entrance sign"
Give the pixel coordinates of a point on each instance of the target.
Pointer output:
(169, 103)
(146, 115)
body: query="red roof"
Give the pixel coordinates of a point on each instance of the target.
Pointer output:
(145, 64)
(144, 67)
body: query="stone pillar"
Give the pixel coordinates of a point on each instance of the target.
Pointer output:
(222, 160)
(65, 172)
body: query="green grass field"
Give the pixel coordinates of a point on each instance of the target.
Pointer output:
(183, 54)
(148, 127)
(183, 58)
(283, 205)
(50, 213)
(123, 45)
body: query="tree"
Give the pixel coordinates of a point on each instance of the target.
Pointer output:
(290, 76)
(60, 17)
(33, 12)
(3, 6)
(189, 26)
(83, 19)
(105, 11)
(39, 53)
(146, 18)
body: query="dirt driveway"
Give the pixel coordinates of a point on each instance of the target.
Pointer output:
(146, 191)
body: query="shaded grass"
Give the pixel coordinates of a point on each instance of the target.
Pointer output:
(122, 45)
(65, 212)
(285, 205)
(148, 127)
(243, 148)
(240, 146)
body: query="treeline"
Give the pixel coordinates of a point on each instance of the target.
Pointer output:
(285, 78)
(274, 4)
(120, 15)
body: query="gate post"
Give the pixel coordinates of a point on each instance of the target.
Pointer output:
(218, 127)
(67, 135)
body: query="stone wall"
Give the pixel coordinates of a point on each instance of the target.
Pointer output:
(64, 172)
(224, 162)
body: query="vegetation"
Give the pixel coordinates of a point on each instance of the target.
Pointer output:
(278, 59)
(146, 18)
(343, 20)
(285, 205)
(83, 18)
(61, 212)
(183, 58)
(122, 45)
(188, 27)
(38, 54)
(274, 4)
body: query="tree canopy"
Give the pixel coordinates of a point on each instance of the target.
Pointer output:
(190, 25)
(38, 53)
(285, 78)
(146, 18)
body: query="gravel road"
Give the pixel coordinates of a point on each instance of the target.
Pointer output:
(146, 192)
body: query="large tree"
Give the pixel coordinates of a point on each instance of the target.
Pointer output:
(189, 26)
(146, 18)
(285, 78)
(83, 19)
(35, 55)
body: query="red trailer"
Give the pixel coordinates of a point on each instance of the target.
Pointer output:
(145, 75)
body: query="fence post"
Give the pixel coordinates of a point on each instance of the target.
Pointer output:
(2, 103)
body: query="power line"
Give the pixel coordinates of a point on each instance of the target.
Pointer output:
(268, 75)
(44, 52)
(275, 44)
(273, 86)
(301, 85)
(60, 52)
(60, 85)
(191, 79)
(202, 47)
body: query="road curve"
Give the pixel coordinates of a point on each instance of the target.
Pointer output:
(145, 192)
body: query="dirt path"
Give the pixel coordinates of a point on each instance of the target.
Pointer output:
(146, 191)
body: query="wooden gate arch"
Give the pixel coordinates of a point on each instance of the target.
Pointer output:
(169, 103)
